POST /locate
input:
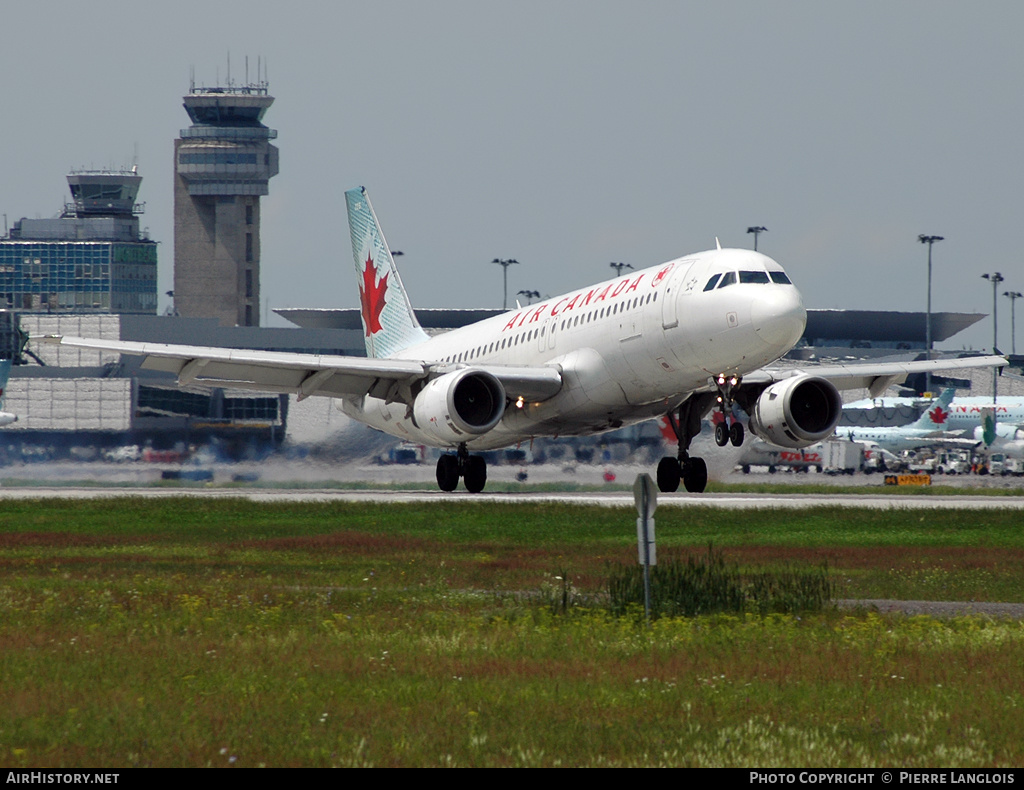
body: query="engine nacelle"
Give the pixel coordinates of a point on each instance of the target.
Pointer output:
(797, 411)
(457, 406)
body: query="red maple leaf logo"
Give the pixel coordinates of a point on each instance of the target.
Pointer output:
(938, 415)
(371, 295)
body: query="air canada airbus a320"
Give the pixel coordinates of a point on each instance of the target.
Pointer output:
(679, 339)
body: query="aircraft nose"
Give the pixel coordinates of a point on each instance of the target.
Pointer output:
(778, 317)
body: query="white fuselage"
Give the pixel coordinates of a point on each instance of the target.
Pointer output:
(968, 413)
(628, 349)
(896, 439)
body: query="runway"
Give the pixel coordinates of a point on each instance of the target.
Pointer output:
(617, 499)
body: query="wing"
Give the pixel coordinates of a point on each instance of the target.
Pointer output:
(875, 377)
(309, 374)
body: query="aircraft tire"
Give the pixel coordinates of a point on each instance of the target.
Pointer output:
(736, 434)
(447, 472)
(695, 476)
(721, 434)
(476, 474)
(669, 475)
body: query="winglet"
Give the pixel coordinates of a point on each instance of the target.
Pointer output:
(389, 323)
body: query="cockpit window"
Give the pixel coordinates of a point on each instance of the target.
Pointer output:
(729, 278)
(712, 281)
(754, 277)
(780, 278)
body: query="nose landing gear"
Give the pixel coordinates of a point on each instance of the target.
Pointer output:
(728, 430)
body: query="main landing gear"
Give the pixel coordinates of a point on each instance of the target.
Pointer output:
(471, 468)
(691, 472)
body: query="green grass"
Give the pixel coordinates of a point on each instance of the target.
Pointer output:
(186, 632)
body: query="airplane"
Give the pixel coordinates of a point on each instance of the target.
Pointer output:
(960, 416)
(969, 413)
(999, 436)
(929, 428)
(6, 418)
(678, 340)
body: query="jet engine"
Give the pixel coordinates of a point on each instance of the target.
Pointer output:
(457, 406)
(797, 411)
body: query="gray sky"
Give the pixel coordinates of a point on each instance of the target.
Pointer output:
(564, 134)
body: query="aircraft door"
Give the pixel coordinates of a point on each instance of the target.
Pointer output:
(546, 336)
(681, 282)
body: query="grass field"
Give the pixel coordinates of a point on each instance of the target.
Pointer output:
(191, 632)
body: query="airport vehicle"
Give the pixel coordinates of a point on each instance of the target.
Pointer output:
(1005, 465)
(953, 462)
(842, 457)
(760, 453)
(678, 339)
(878, 459)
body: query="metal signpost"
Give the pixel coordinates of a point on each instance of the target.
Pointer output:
(646, 495)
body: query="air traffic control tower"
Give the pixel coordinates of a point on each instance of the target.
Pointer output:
(223, 164)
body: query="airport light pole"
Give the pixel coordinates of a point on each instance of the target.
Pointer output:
(995, 279)
(619, 267)
(929, 240)
(504, 264)
(530, 295)
(1014, 296)
(757, 230)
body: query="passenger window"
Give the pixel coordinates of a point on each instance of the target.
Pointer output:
(712, 282)
(729, 278)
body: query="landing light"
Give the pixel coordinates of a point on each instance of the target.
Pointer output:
(519, 402)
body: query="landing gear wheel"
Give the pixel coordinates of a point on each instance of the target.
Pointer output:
(736, 434)
(668, 475)
(447, 472)
(695, 475)
(721, 434)
(475, 477)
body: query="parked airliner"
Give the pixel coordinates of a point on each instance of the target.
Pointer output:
(678, 339)
(952, 421)
(969, 413)
(929, 429)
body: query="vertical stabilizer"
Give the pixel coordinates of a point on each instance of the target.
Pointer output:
(935, 416)
(988, 427)
(389, 324)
